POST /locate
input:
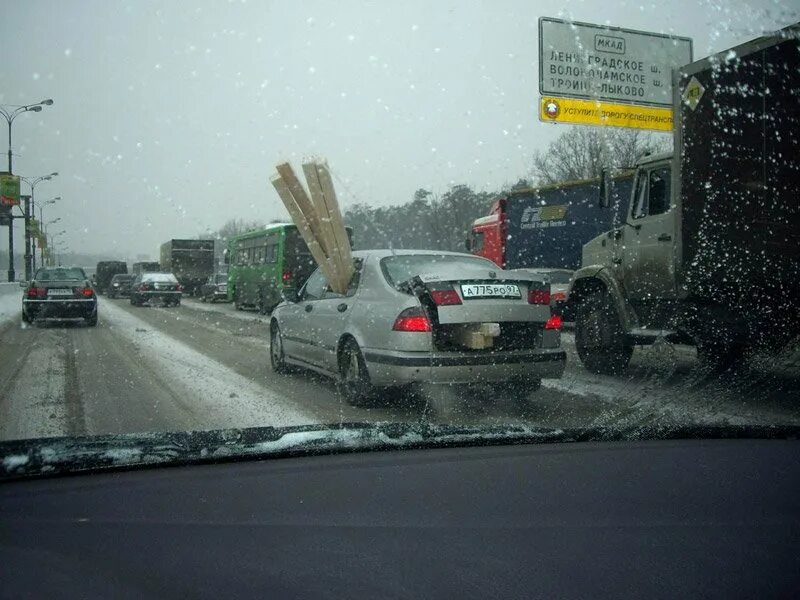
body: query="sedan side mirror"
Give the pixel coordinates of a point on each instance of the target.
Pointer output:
(290, 295)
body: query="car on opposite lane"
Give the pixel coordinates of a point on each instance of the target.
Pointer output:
(215, 288)
(161, 287)
(59, 293)
(417, 316)
(120, 286)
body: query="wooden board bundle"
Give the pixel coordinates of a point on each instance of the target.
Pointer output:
(318, 218)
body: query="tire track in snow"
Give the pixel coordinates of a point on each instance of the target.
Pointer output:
(229, 399)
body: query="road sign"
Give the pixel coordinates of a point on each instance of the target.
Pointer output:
(9, 190)
(611, 64)
(592, 112)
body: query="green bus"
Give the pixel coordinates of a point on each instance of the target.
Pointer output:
(265, 261)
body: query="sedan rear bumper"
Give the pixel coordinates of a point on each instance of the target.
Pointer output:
(398, 368)
(73, 308)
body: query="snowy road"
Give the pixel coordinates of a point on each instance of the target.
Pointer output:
(201, 366)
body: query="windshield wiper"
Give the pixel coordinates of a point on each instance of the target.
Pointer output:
(57, 456)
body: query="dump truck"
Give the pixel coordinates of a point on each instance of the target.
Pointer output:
(191, 261)
(707, 251)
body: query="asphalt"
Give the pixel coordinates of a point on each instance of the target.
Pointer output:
(201, 366)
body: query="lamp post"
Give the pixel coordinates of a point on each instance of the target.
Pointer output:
(30, 261)
(53, 243)
(11, 113)
(41, 221)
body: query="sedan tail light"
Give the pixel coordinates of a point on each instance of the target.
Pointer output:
(538, 296)
(85, 292)
(412, 320)
(179, 288)
(37, 293)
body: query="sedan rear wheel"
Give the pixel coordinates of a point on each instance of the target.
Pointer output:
(92, 321)
(354, 383)
(277, 359)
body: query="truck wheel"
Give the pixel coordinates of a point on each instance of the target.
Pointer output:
(599, 337)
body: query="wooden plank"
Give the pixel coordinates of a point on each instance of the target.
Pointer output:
(302, 224)
(303, 202)
(328, 240)
(341, 241)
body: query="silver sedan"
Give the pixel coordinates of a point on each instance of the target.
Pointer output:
(418, 316)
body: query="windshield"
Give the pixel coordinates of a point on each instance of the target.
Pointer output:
(162, 277)
(400, 268)
(347, 216)
(59, 274)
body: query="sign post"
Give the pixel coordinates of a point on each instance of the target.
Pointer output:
(608, 76)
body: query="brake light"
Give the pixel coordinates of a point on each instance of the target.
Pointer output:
(445, 297)
(179, 288)
(85, 292)
(287, 276)
(538, 296)
(37, 293)
(553, 322)
(412, 320)
(558, 297)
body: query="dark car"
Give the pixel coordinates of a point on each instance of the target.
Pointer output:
(216, 288)
(120, 286)
(161, 287)
(59, 293)
(105, 271)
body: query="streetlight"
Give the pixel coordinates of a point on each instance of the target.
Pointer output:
(30, 261)
(41, 220)
(10, 115)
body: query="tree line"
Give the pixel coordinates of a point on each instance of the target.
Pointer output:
(440, 221)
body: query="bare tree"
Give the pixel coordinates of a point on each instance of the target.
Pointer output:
(582, 152)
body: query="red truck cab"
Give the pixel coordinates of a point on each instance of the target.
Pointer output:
(488, 234)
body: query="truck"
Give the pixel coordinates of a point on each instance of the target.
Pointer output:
(105, 271)
(191, 261)
(545, 227)
(707, 250)
(138, 268)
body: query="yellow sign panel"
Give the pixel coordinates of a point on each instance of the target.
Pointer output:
(609, 114)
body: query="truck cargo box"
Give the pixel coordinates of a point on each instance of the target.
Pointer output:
(738, 134)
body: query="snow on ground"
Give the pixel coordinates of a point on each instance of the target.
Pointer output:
(207, 383)
(226, 309)
(35, 406)
(10, 301)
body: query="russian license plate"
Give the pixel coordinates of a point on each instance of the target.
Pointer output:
(490, 290)
(59, 292)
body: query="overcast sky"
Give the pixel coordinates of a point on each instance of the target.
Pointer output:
(170, 116)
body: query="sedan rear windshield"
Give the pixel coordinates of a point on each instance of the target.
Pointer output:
(403, 267)
(59, 274)
(161, 277)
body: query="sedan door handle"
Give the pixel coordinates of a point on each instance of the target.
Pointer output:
(342, 307)
(309, 307)
(665, 237)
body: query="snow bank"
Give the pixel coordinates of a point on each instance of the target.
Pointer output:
(10, 301)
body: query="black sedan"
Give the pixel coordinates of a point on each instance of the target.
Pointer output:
(120, 286)
(216, 288)
(59, 293)
(159, 287)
